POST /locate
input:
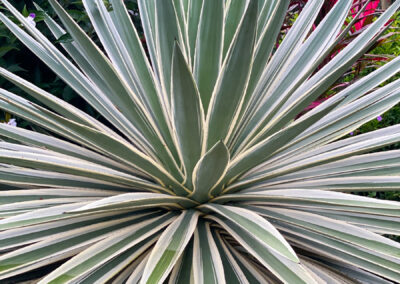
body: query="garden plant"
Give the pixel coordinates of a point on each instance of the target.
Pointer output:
(196, 169)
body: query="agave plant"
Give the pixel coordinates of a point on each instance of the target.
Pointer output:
(197, 171)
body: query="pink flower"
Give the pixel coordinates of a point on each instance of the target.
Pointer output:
(370, 9)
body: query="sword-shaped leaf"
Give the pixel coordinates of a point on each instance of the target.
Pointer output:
(209, 171)
(333, 228)
(208, 52)
(207, 264)
(170, 247)
(231, 84)
(283, 268)
(265, 149)
(182, 272)
(187, 112)
(61, 247)
(167, 32)
(257, 227)
(140, 200)
(93, 258)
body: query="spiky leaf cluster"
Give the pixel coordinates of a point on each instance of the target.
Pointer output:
(199, 171)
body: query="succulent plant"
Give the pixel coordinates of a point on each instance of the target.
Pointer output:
(197, 170)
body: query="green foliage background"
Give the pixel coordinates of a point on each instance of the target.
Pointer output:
(18, 59)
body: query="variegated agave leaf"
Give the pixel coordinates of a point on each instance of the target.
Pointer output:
(202, 174)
